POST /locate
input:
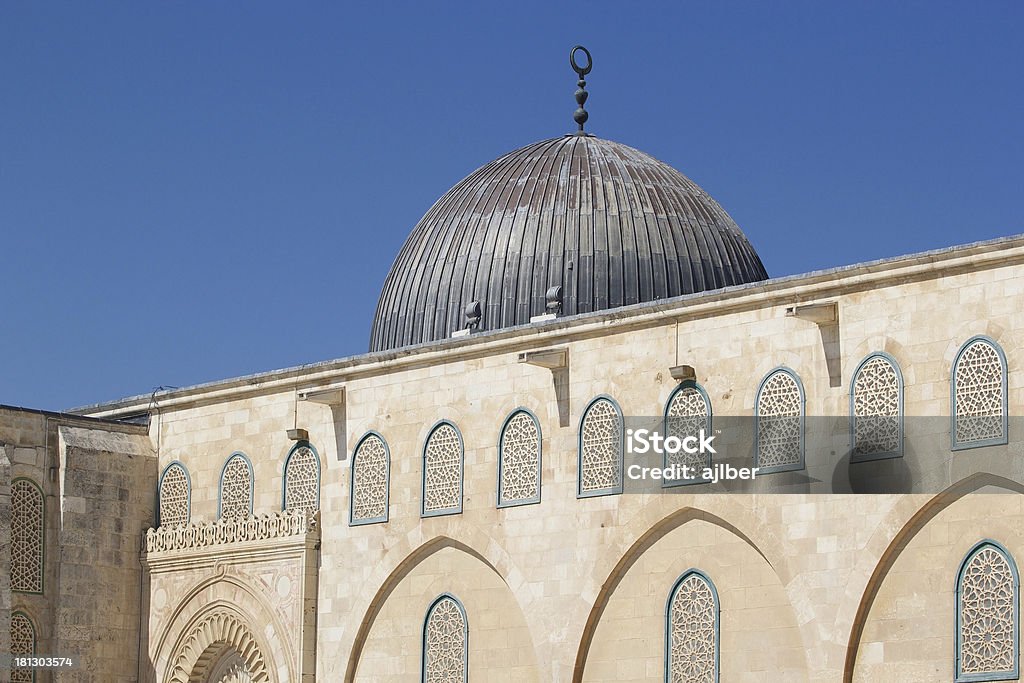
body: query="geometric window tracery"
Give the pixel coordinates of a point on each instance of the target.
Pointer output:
(370, 471)
(445, 642)
(779, 411)
(987, 615)
(236, 488)
(692, 634)
(600, 449)
(27, 536)
(174, 496)
(979, 395)
(688, 412)
(442, 470)
(519, 460)
(302, 479)
(23, 642)
(877, 408)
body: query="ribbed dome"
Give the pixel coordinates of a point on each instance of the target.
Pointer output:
(610, 224)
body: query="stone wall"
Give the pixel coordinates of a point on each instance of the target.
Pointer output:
(5, 555)
(106, 484)
(581, 584)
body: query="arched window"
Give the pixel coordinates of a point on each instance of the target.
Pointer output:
(302, 478)
(779, 414)
(28, 530)
(600, 449)
(687, 412)
(23, 642)
(876, 409)
(987, 599)
(175, 496)
(979, 395)
(691, 631)
(371, 469)
(236, 488)
(442, 471)
(519, 452)
(446, 642)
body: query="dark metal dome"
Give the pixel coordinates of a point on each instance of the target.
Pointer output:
(609, 224)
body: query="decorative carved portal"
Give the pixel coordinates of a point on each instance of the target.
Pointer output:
(212, 642)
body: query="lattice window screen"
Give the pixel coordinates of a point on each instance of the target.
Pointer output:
(519, 475)
(876, 408)
(27, 534)
(693, 632)
(687, 414)
(979, 398)
(236, 489)
(445, 643)
(302, 480)
(23, 642)
(779, 421)
(370, 480)
(987, 614)
(442, 470)
(174, 496)
(600, 448)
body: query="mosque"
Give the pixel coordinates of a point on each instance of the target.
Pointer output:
(466, 501)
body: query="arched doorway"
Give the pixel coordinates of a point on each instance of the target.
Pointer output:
(219, 649)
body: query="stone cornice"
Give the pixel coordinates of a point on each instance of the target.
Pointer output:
(776, 292)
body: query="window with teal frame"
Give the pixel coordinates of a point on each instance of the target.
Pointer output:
(687, 412)
(876, 409)
(779, 422)
(987, 615)
(234, 500)
(445, 642)
(599, 459)
(519, 459)
(692, 630)
(443, 461)
(978, 395)
(370, 482)
(301, 478)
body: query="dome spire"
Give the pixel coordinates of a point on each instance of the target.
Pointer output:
(581, 115)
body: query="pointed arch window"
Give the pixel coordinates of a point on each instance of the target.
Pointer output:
(687, 412)
(600, 449)
(779, 418)
(443, 460)
(175, 496)
(371, 471)
(692, 630)
(979, 395)
(519, 453)
(236, 488)
(446, 642)
(987, 615)
(876, 409)
(302, 478)
(23, 642)
(28, 532)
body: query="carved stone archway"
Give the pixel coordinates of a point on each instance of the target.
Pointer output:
(203, 647)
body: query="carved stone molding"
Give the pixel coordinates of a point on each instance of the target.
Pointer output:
(198, 535)
(206, 643)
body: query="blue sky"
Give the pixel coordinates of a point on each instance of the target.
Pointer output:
(195, 191)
